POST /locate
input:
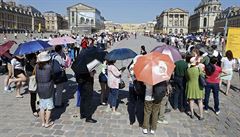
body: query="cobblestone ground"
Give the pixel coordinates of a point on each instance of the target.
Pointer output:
(16, 118)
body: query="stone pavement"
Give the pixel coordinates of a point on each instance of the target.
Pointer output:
(16, 118)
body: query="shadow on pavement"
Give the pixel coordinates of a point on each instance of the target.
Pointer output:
(70, 89)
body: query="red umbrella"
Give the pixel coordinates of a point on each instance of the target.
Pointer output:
(6, 46)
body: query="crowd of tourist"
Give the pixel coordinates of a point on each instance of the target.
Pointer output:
(201, 59)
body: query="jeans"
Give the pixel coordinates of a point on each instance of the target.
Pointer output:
(135, 106)
(179, 93)
(112, 97)
(215, 89)
(86, 100)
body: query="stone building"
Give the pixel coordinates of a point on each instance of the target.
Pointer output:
(112, 27)
(233, 16)
(20, 18)
(54, 21)
(173, 20)
(85, 19)
(204, 16)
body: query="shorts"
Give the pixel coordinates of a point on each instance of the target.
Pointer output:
(46, 104)
(18, 72)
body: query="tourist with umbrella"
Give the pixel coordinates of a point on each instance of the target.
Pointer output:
(85, 79)
(159, 68)
(6, 57)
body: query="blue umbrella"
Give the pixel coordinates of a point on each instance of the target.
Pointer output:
(31, 47)
(120, 54)
(191, 37)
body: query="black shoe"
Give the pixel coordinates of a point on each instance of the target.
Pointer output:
(192, 116)
(82, 117)
(167, 110)
(91, 120)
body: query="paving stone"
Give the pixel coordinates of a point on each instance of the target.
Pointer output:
(58, 132)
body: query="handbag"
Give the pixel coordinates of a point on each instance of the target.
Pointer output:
(121, 84)
(201, 80)
(60, 77)
(32, 84)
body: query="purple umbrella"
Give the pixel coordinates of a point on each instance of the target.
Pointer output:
(171, 51)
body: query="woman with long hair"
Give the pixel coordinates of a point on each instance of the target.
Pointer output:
(45, 88)
(18, 73)
(228, 64)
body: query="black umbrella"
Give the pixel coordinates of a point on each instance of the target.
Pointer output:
(86, 56)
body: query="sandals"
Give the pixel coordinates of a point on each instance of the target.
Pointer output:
(19, 96)
(48, 125)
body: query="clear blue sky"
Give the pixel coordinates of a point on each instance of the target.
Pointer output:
(122, 11)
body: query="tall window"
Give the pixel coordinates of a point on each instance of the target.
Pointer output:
(73, 17)
(176, 23)
(205, 22)
(170, 30)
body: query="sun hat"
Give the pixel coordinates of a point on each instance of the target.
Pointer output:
(43, 56)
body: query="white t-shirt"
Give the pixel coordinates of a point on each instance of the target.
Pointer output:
(148, 95)
(16, 64)
(227, 65)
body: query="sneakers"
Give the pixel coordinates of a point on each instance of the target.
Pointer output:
(116, 113)
(145, 131)
(152, 132)
(206, 111)
(162, 121)
(8, 89)
(218, 112)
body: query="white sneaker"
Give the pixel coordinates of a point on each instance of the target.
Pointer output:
(206, 111)
(162, 121)
(218, 112)
(152, 132)
(145, 131)
(116, 113)
(6, 88)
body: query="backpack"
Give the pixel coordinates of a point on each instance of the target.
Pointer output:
(219, 58)
(139, 87)
(209, 69)
(159, 91)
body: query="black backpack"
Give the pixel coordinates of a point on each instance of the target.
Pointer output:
(219, 58)
(159, 91)
(139, 87)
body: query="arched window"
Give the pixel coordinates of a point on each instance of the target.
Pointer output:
(92, 21)
(181, 30)
(176, 31)
(170, 30)
(205, 22)
(82, 20)
(215, 8)
(87, 21)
